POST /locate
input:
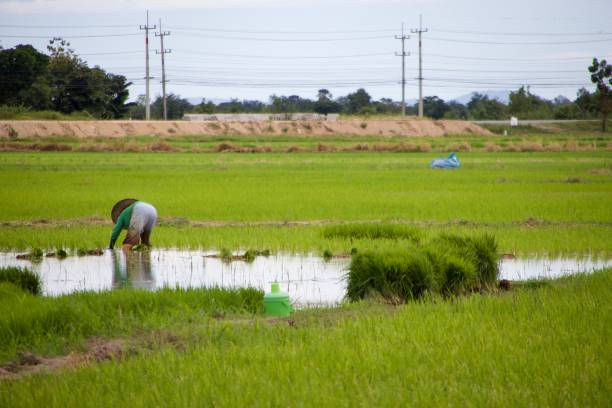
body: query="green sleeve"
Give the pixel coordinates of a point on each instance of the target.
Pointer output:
(122, 222)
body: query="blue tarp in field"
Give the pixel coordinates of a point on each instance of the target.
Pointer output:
(451, 162)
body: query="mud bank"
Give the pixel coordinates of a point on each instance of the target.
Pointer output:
(84, 129)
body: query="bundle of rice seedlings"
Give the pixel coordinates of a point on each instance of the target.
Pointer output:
(394, 275)
(22, 278)
(480, 250)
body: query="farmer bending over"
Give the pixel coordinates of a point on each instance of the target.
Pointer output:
(137, 217)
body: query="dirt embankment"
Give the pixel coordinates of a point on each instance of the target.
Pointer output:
(85, 129)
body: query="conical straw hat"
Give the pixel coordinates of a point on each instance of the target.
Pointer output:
(120, 206)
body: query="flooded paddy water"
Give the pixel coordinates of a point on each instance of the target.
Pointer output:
(309, 279)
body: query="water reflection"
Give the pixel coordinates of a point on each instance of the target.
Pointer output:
(308, 279)
(132, 269)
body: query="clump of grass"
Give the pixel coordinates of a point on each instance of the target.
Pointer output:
(225, 254)
(59, 254)
(373, 231)
(492, 147)
(328, 254)
(23, 278)
(322, 147)
(161, 146)
(459, 147)
(12, 133)
(35, 255)
(448, 265)
(480, 250)
(396, 276)
(250, 255)
(363, 125)
(227, 147)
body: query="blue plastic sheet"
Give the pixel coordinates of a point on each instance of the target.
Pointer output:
(451, 162)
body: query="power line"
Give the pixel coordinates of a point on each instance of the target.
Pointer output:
(222, 37)
(219, 30)
(69, 36)
(543, 59)
(66, 26)
(521, 42)
(376, 54)
(525, 34)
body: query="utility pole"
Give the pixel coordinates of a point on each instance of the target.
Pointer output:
(147, 27)
(403, 54)
(163, 51)
(420, 30)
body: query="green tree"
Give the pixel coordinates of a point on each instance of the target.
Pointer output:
(586, 103)
(357, 101)
(434, 107)
(386, 106)
(325, 104)
(527, 105)
(177, 107)
(205, 107)
(480, 107)
(456, 111)
(22, 77)
(290, 104)
(601, 76)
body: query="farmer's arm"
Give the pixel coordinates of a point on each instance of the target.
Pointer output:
(121, 223)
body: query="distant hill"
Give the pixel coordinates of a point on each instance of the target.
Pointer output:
(501, 96)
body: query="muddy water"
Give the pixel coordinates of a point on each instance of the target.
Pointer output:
(307, 278)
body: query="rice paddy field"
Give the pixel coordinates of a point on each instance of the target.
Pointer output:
(538, 193)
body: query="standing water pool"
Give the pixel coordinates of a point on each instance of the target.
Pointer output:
(309, 279)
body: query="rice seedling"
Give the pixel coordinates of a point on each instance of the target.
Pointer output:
(22, 278)
(449, 264)
(396, 276)
(328, 254)
(373, 231)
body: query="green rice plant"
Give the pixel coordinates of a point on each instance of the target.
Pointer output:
(480, 250)
(455, 275)
(22, 278)
(249, 255)
(328, 254)
(397, 276)
(225, 255)
(32, 320)
(373, 231)
(450, 264)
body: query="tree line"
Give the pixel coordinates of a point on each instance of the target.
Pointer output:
(522, 104)
(61, 81)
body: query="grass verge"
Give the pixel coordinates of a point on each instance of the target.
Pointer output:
(531, 347)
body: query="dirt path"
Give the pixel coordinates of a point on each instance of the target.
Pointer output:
(117, 128)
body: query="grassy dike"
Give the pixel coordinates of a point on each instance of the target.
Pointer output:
(538, 345)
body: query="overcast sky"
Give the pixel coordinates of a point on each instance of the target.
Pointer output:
(250, 49)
